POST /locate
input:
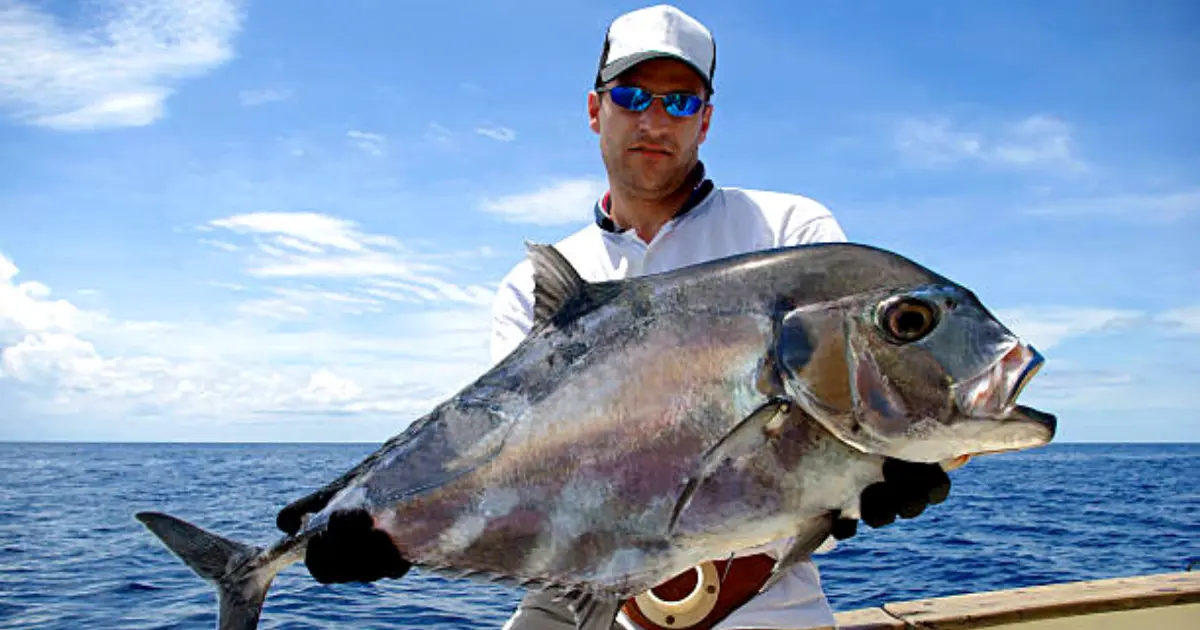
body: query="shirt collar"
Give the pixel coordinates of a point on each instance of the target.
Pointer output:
(701, 186)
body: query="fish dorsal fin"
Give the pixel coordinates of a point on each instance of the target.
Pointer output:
(558, 289)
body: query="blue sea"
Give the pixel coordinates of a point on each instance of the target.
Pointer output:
(72, 555)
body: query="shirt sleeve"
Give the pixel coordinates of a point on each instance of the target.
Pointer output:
(512, 311)
(811, 222)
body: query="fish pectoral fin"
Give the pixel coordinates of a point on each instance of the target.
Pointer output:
(424, 456)
(803, 545)
(748, 438)
(294, 515)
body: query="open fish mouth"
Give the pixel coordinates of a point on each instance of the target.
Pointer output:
(991, 399)
(1028, 361)
(994, 393)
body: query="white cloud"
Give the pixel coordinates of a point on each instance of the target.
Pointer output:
(251, 98)
(1162, 206)
(1034, 142)
(221, 245)
(1046, 327)
(439, 134)
(312, 230)
(296, 246)
(500, 134)
(433, 291)
(1058, 388)
(118, 69)
(27, 308)
(295, 243)
(936, 142)
(76, 362)
(277, 308)
(561, 202)
(122, 110)
(1184, 319)
(326, 388)
(290, 303)
(369, 264)
(232, 286)
(372, 143)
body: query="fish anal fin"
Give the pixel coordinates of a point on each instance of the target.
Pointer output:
(751, 435)
(803, 544)
(595, 612)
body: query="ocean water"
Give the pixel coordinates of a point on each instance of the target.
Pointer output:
(72, 556)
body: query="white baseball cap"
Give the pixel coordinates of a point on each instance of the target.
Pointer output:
(656, 32)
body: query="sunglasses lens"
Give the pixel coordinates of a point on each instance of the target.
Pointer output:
(631, 98)
(682, 104)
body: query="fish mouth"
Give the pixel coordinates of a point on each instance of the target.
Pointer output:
(992, 397)
(994, 393)
(1030, 361)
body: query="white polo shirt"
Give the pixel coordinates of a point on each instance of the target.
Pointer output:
(716, 222)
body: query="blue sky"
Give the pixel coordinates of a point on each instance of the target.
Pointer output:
(245, 221)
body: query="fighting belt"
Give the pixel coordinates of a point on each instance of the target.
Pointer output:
(700, 598)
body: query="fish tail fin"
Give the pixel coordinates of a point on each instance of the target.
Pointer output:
(242, 588)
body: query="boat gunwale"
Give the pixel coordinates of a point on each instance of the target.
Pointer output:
(1030, 603)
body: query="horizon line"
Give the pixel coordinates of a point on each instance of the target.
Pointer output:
(380, 442)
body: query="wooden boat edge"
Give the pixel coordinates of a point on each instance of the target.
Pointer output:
(1024, 607)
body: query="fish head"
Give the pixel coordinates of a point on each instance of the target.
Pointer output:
(924, 373)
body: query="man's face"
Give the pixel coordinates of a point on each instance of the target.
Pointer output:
(650, 153)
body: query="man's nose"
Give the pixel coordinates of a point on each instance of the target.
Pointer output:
(655, 116)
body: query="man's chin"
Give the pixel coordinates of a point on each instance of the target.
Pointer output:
(656, 181)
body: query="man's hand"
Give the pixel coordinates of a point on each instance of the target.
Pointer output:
(350, 549)
(906, 490)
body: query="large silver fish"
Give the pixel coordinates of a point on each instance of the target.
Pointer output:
(649, 424)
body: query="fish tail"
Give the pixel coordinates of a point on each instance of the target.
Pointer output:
(242, 586)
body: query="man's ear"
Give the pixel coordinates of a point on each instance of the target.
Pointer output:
(593, 105)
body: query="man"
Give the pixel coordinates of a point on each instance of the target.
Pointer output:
(651, 109)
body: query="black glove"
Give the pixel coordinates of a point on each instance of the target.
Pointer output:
(906, 490)
(350, 549)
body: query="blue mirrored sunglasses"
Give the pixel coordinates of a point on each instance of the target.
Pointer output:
(635, 99)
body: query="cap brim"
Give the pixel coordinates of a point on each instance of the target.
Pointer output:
(616, 68)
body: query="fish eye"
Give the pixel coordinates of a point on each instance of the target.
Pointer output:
(908, 319)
